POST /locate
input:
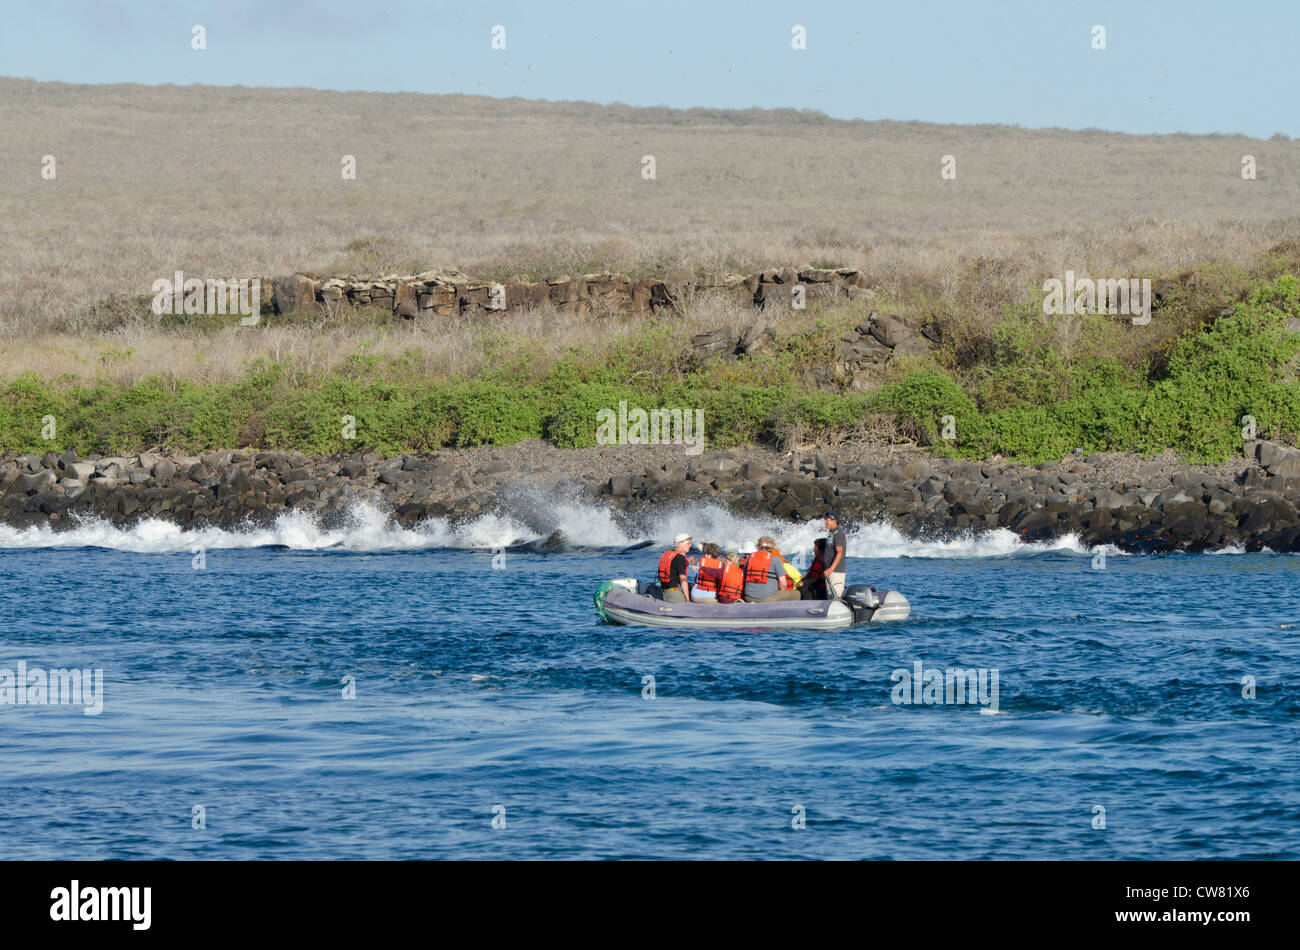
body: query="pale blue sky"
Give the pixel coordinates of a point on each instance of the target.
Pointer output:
(1191, 66)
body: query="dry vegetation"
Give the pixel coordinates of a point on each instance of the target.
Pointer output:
(135, 350)
(236, 181)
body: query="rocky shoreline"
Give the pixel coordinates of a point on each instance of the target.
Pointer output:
(1138, 504)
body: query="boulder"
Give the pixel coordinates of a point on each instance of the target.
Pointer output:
(1108, 499)
(235, 481)
(37, 481)
(757, 338)
(891, 329)
(713, 342)
(289, 294)
(913, 345)
(1266, 513)
(217, 461)
(867, 349)
(822, 379)
(1171, 496)
(523, 294)
(406, 302)
(80, 471)
(718, 465)
(1270, 454)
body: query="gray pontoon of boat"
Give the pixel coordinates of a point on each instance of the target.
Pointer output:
(625, 600)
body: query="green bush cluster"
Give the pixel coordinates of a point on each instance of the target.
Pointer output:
(1028, 400)
(1033, 405)
(273, 407)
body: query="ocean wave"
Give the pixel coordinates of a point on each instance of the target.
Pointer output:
(581, 525)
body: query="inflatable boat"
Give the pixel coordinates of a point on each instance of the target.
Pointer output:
(626, 601)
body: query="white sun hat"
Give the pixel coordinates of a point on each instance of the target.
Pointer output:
(681, 538)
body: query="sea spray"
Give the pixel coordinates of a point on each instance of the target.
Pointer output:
(523, 516)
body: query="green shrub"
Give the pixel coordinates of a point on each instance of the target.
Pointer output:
(1231, 369)
(24, 403)
(921, 399)
(735, 415)
(495, 414)
(1036, 395)
(573, 424)
(822, 412)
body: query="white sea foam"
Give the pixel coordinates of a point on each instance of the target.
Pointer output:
(366, 528)
(527, 517)
(875, 540)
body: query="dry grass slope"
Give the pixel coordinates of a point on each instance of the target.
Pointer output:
(235, 181)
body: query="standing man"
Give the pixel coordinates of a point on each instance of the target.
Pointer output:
(835, 554)
(672, 572)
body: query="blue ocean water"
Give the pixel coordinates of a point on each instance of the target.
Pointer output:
(483, 694)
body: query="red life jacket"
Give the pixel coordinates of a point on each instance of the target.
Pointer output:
(817, 571)
(665, 562)
(757, 566)
(733, 583)
(710, 576)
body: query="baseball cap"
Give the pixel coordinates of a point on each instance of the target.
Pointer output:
(680, 538)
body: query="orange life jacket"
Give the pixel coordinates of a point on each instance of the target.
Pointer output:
(733, 583)
(757, 566)
(665, 562)
(710, 576)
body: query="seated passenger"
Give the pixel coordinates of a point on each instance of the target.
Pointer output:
(792, 575)
(708, 580)
(813, 585)
(672, 571)
(733, 580)
(765, 576)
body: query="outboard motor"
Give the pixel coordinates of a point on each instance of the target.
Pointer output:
(862, 600)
